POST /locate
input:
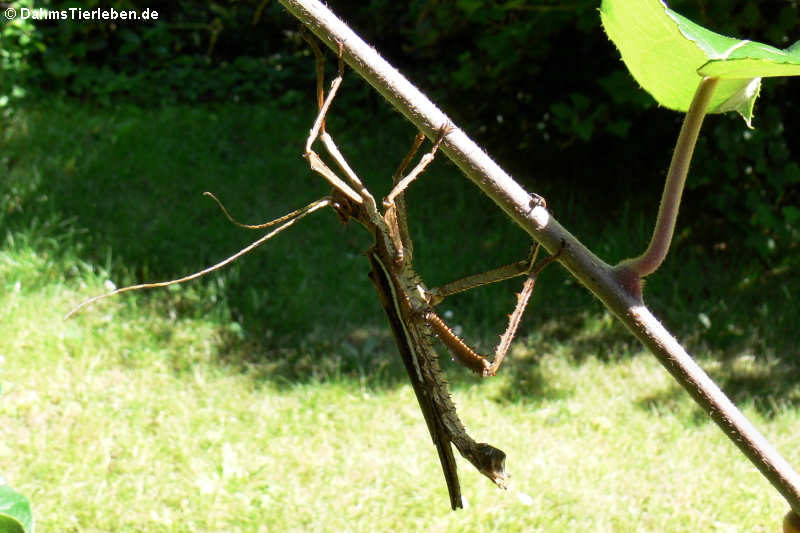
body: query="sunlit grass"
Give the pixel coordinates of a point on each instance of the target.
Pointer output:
(114, 422)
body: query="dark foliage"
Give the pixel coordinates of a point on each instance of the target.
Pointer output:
(537, 82)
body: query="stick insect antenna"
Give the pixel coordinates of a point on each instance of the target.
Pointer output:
(297, 213)
(287, 220)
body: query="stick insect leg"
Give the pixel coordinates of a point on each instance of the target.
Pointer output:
(403, 184)
(461, 351)
(394, 204)
(395, 212)
(316, 163)
(519, 268)
(516, 316)
(398, 174)
(318, 131)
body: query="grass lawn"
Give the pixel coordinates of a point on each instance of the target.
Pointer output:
(269, 397)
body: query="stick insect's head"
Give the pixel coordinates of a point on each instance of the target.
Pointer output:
(491, 462)
(344, 207)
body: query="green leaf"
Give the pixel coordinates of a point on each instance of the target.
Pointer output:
(10, 525)
(753, 59)
(669, 54)
(15, 512)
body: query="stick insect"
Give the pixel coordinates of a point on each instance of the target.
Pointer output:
(408, 303)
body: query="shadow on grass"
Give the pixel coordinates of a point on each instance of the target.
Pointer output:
(365, 354)
(767, 385)
(369, 355)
